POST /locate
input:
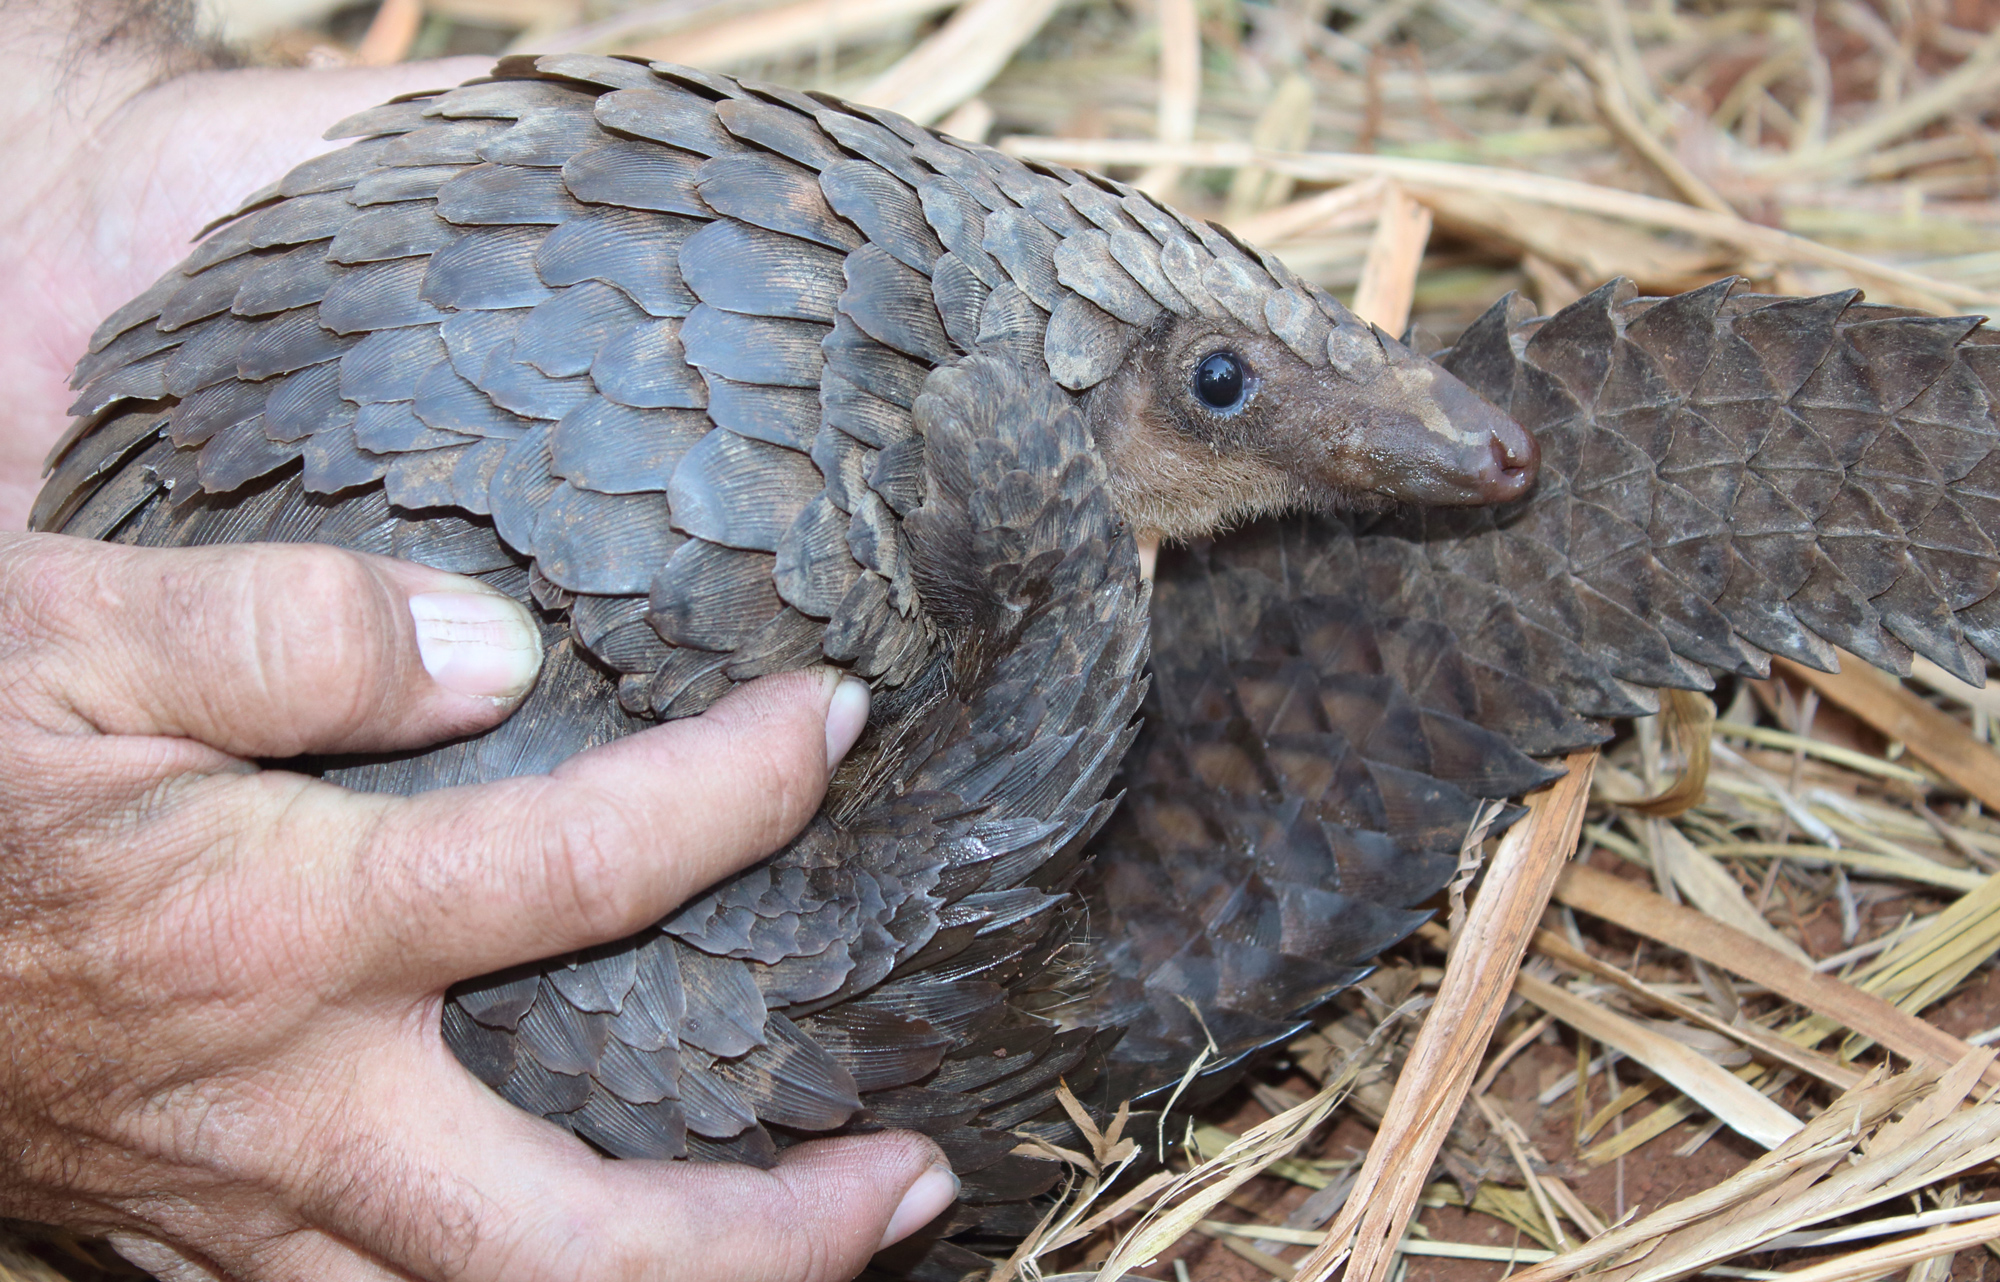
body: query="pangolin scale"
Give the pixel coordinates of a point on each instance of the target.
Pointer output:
(727, 379)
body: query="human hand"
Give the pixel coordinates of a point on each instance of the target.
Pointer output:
(112, 171)
(222, 983)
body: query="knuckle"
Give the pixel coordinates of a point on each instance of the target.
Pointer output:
(327, 579)
(394, 1203)
(585, 866)
(792, 780)
(781, 791)
(241, 627)
(803, 1246)
(330, 586)
(315, 618)
(39, 593)
(53, 601)
(775, 772)
(815, 1260)
(184, 594)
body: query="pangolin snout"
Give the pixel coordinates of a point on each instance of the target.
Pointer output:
(1487, 457)
(1431, 440)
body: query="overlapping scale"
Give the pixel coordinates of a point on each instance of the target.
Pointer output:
(1762, 475)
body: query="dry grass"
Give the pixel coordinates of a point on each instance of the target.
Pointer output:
(1728, 1047)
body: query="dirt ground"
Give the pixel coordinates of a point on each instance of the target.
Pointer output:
(1646, 1179)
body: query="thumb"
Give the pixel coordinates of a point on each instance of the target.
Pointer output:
(264, 650)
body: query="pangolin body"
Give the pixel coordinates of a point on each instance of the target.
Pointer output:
(728, 379)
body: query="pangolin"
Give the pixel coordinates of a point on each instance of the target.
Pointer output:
(728, 379)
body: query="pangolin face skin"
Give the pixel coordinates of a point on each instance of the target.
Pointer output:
(1208, 425)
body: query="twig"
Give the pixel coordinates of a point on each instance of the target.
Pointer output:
(1820, 1144)
(1334, 209)
(390, 33)
(1540, 189)
(1616, 109)
(733, 36)
(1722, 1093)
(1760, 1041)
(1933, 737)
(1972, 79)
(1642, 912)
(959, 59)
(1441, 1064)
(1180, 89)
(1507, 1053)
(1389, 273)
(664, 15)
(1517, 1147)
(1879, 1261)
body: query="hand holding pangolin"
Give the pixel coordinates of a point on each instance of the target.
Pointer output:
(726, 380)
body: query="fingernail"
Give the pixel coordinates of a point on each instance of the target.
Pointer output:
(846, 714)
(934, 1190)
(480, 644)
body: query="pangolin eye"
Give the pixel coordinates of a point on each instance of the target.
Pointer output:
(1221, 382)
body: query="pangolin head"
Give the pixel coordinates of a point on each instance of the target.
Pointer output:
(1249, 393)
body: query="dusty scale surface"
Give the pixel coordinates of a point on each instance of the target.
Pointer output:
(727, 379)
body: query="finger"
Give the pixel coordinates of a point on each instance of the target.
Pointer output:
(160, 1261)
(263, 650)
(542, 1206)
(816, 1217)
(223, 1250)
(467, 880)
(312, 1256)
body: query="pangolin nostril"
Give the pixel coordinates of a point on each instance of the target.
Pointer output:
(1513, 468)
(1517, 454)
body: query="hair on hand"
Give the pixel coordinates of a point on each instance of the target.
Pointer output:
(161, 37)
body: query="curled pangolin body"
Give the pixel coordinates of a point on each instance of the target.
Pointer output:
(727, 379)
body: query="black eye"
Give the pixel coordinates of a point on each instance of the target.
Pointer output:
(1220, 381)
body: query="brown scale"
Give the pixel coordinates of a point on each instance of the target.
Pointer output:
(726, 380)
